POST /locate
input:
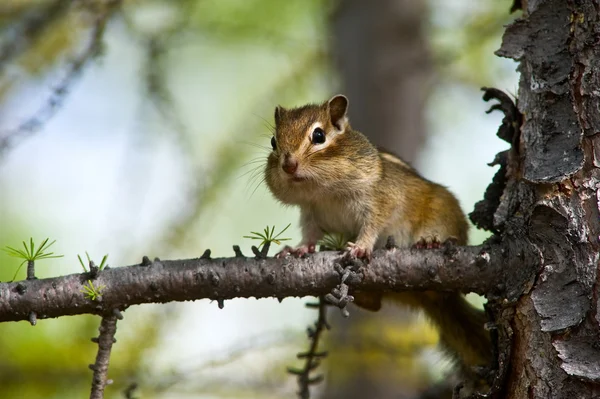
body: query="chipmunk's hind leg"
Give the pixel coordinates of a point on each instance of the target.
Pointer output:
(434, 242)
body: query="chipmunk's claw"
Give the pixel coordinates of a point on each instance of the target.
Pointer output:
(433, 242)
(356, 251)
(296, 252)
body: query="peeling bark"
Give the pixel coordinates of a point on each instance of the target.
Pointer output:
(551, 200)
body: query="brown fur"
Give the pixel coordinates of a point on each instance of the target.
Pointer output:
(346, 185)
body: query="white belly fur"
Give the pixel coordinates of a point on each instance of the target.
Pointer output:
(342, 218)
(338, 218)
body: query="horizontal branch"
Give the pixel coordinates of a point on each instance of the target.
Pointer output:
(467, 269)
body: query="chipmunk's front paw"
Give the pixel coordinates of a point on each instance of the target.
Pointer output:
(358, 251)
(297, 252)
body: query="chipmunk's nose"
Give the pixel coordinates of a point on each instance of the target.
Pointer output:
(290, 165)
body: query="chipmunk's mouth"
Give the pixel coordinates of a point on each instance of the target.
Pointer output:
(298, 179)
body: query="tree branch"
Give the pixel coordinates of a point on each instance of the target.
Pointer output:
(106, 339)
(19, 35)
(101, 13)
(469, 269)
(312, 356)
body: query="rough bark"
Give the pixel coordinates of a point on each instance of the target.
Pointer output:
(105, 340)
(551, 204)
(31, 28)
(220, 279)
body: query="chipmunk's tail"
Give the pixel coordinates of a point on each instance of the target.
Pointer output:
(460, 325)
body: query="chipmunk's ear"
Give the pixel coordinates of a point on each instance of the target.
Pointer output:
(278, 111)
(338, 106)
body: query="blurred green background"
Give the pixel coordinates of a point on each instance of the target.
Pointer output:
(154, 147)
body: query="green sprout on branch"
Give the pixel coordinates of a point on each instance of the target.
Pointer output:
(29, 255)
(268, 236)
(334, 241)
(91, 292)
(90, 262)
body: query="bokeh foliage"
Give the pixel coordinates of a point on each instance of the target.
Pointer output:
(40, 38)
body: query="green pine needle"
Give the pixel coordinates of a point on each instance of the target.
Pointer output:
(30, 254)
(91, 292)
(268, 235)
(334, 241)
(102, 263)
(82, 264)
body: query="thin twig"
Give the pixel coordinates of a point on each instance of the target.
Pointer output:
(59, 92)
(313, 358)
(108, 329)
(30, 270)
(20, 35)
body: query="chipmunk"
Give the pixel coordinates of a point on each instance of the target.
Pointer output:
(343, 184)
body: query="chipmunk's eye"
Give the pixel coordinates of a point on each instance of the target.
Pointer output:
(273, 143)
(318, 136)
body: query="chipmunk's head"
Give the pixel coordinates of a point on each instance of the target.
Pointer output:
(312, 149)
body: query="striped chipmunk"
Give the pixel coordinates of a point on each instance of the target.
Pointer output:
(343, 184)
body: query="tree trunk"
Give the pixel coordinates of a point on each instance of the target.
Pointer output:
(548, 218)
(550, 207)
(383, 61)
